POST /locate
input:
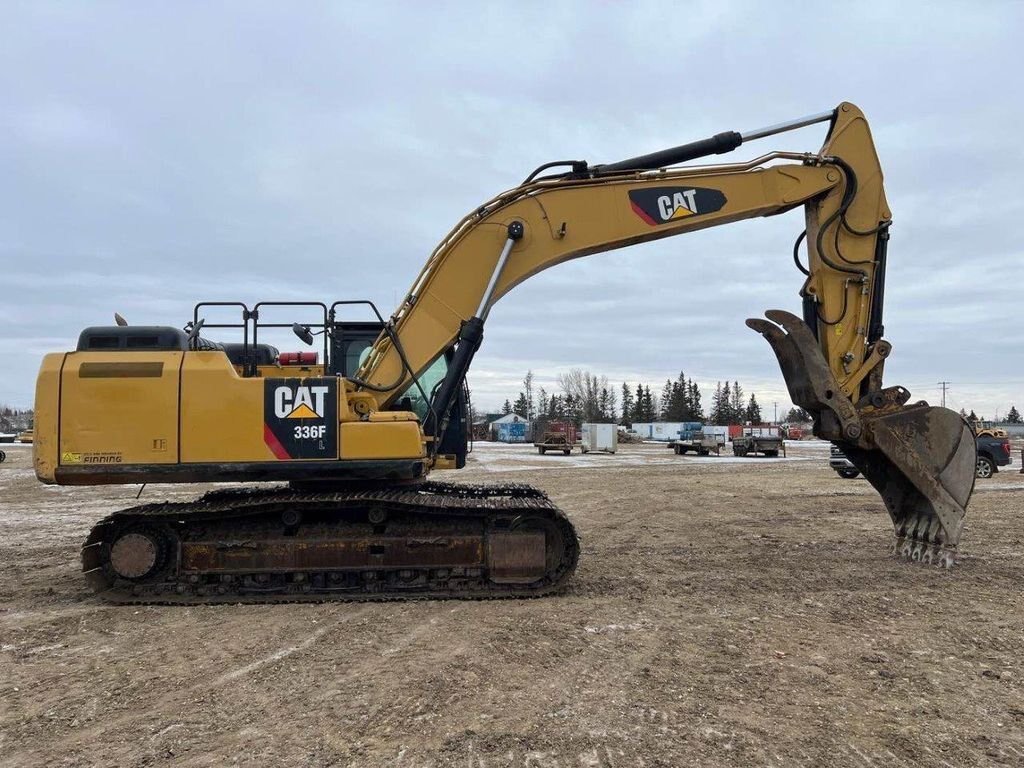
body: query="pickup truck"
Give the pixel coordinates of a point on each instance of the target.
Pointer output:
(993, 452)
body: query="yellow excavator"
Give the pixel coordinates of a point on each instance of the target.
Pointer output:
(349, 434)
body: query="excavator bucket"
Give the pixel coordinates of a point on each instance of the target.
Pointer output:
(920, 458)
(923, 466)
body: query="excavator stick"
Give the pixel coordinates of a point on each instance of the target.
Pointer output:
(920, 458)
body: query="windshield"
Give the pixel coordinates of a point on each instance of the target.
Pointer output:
(428, 380)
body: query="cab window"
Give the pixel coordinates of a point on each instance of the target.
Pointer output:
(428, 380)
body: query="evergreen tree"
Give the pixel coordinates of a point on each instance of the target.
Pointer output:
(650, 406)
(639, 412)
(681, 404)
(973, 416)
(736, 408)
(719, 411)
(627, 405)
(753, 412)
(573, 409)
(675, 399)
(522, 407)
(696, 410)
(556, 407)
(1013, 416)
(798, 415)
(506, 409)
(606, 401)
(665, 411)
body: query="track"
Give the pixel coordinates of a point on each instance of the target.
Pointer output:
(431, 541)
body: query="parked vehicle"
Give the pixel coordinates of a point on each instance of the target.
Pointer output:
(993, 452)
(988, 428)
(698, 438)
(843, 466)
(558, 436)
(26, 436)
(763, 440)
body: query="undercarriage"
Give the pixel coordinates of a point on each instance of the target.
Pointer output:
(432, 540)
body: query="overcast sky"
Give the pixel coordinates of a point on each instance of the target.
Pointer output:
(156, 154)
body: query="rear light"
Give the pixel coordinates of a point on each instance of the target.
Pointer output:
(1006, 447)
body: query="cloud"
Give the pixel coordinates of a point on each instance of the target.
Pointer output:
(153, 156)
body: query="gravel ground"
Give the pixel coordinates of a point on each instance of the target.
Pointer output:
(725, 612)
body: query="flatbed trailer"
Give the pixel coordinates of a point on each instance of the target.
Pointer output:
(700, 444)
(558, 436)
(565, 448)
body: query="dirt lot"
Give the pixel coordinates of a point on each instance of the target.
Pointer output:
(724, 613)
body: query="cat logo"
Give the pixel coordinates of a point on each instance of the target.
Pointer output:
(679, 205)
(304, 403)
(662, 205)
(300, 418)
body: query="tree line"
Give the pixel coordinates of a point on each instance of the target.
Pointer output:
(586, 397)
(1012, 416)
(13, 420)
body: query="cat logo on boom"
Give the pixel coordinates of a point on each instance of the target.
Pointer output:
(664, 205)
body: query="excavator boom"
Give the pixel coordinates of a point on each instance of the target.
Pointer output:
(355, 440)
(921, 459)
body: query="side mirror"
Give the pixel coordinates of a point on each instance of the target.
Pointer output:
(304, 334)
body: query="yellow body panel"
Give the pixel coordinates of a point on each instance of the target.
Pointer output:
(381, 440)
(119, 408)
(221, 412)
(44, 443)
(122, 409)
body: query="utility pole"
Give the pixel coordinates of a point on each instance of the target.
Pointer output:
(944, 384)
(775, 410)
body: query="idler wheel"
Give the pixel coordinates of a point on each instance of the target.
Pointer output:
(134, 555)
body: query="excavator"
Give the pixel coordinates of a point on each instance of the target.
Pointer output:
(328, 452)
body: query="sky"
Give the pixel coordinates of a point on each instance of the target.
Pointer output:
(156, 154)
